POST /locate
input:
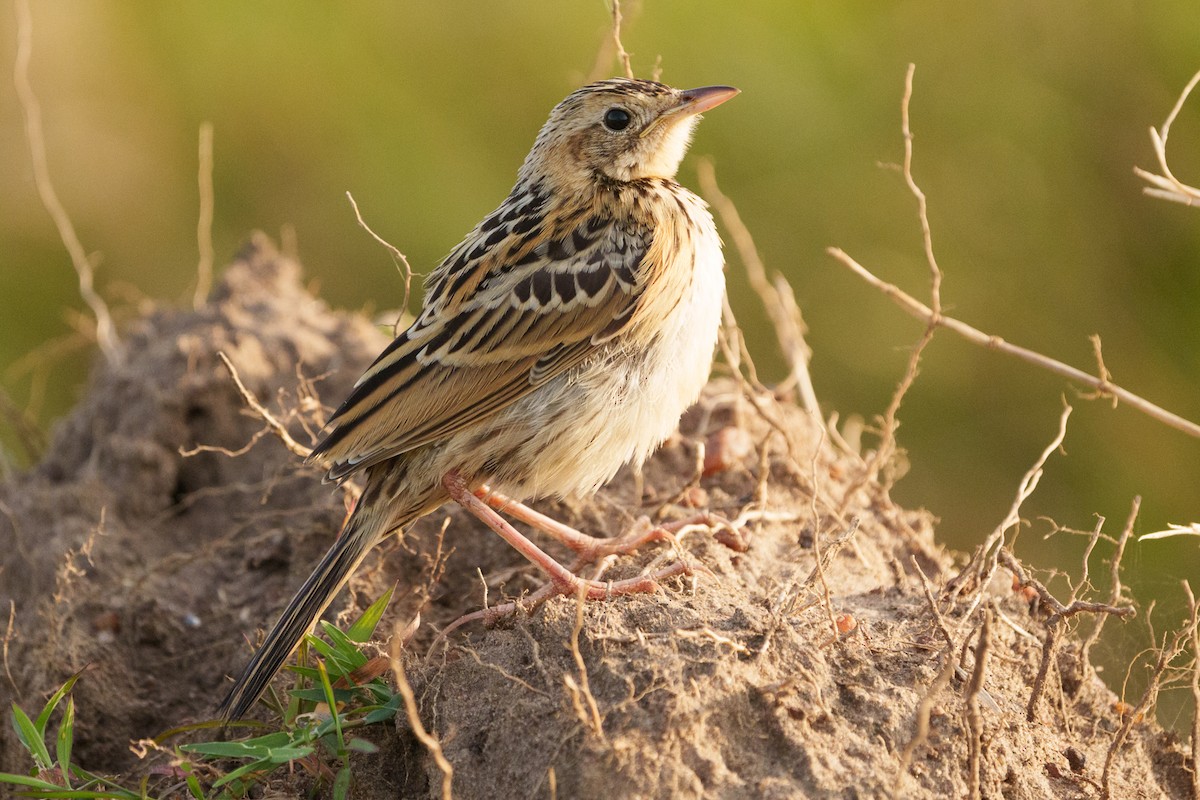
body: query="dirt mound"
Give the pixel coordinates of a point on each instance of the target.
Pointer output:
(151, 567)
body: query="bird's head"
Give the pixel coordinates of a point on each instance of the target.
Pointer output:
(623, 129)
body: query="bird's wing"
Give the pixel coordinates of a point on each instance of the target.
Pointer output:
(511, 308)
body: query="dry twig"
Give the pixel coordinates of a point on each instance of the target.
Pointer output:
(1166, 186)
(10, 634)
(400, 259)
(776, 293)
(106, 333)
(581, 688)
(886, 449)
(261, 411)
(983, 563)
(1100, 386)
(622, 56)
(1170, 650)
(1114, 594)
(414, 717)
(925, 709)
(1195, 701)
(1058, 613)
(974, 718)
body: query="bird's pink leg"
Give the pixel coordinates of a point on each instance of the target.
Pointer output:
(589, 548)
(563, 580)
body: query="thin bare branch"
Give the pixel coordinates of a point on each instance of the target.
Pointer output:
(581, 688)
(1101, 386)
(1166, 186)
(886, 449)
(1171, 649)
(925, 710)
(974, 692)
(776, 293)
(622, 55)
(1114, 593)
(10, 634)
(204, 223)
(935, 272)
(983, 563)
(414, 716)
(406, 271)
(1058, 614)
(261, 411)
(106, 332)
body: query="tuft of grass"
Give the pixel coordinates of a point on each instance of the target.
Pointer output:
(341, 692)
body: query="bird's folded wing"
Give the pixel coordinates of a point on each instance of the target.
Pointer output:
(463, 361)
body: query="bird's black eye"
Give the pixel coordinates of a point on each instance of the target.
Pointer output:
(617, 119)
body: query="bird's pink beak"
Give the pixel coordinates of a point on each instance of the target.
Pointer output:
(697, 101)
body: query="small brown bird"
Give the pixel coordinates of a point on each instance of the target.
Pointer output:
(562, 339)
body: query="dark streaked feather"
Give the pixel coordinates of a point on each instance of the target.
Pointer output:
(493, 329)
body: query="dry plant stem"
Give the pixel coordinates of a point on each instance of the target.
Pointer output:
(1170, 650)
(400, 258)
(819, 567)
(1058, 613)
(622, 56)
(887, 444)
(983, 563)
(204, 269)
(924, 710)
(1114, 594)
(414, 718)
(823, 562)
(1166, 186)
(933, 318)
(9, 634)
(1102, 387)
(592, 719)
(106, 333)
(974, 719)
(935, 272)
(777, 298)
(262, 412)
(933, 606)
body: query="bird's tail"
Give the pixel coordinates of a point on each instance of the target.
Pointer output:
(369, 523)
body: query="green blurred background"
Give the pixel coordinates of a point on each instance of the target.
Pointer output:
(1029, 117)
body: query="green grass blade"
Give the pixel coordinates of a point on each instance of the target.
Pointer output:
(364, 627)
(194, 787)
(27, 732)
(26, 780)
(64, 740)
(331, 701)
(44, 717)
(226, 749)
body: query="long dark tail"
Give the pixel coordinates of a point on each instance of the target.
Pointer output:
(367, 525)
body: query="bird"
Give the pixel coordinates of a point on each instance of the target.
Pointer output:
(560, 340)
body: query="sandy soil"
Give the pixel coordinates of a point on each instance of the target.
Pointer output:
(153, 569)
